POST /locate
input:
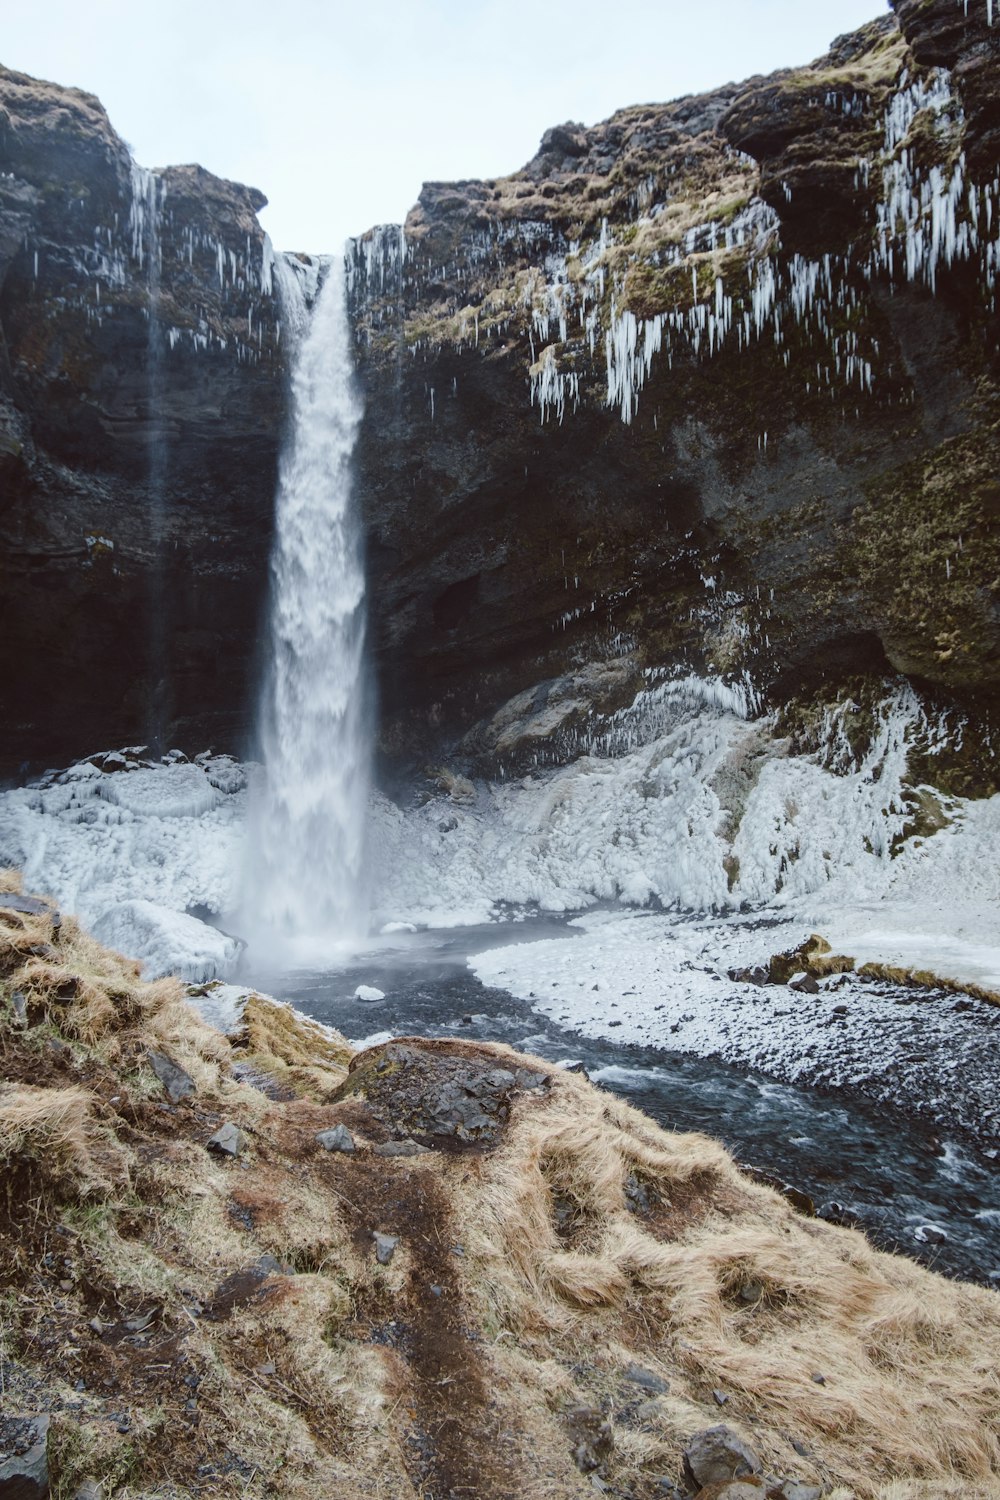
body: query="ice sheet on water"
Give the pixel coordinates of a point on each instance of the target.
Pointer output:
(167, 942)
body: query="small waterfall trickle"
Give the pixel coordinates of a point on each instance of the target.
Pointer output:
(148, 192)
(304, 876)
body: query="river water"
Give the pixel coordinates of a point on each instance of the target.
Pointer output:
(928, 1194)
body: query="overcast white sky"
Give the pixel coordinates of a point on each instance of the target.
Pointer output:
(338, 111)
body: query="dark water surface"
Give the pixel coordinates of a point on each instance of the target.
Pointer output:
(934, 1198)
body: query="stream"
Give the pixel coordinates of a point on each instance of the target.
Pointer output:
(927, 1194)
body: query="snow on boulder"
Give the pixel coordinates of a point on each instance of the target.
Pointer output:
(178, 791)
(168, 942)
(368, 992)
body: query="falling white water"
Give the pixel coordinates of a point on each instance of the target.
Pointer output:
(304, 879)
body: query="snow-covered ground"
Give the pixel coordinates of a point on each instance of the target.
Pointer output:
(132, 851)
(690, 838)
(663, 981)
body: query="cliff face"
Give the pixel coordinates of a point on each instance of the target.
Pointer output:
(140, 413)
(712, 384)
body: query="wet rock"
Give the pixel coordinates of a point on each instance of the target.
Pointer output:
(228, 1140)
(646, 1380)
(339, 1138)
(176, 1082)
(591, 1437)
(25, 1474)
(385, 1247)
(718, 1454)
(31, 906)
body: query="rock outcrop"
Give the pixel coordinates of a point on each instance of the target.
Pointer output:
(712, 384)
(140, 411)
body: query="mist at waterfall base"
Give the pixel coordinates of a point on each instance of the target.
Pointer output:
(304, 897)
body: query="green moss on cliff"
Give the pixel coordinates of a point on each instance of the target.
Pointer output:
(925, 550)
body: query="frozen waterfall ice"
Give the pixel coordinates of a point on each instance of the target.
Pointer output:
(304, 890)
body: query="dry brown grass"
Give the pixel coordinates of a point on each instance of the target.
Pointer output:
(45, 1125)
(526, 1281)
(300, 1054)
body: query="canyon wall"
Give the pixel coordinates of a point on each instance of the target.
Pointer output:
(711, 386)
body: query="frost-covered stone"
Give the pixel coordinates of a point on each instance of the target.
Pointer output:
(168, 942)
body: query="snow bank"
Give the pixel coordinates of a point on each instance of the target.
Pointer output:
(168, 942)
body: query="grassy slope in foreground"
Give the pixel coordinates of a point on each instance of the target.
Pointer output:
(200, 1325)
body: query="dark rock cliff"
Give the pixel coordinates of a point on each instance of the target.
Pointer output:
(141, 403)
(713, 384)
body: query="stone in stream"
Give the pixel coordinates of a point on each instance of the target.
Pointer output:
(339, 1138)
(228, 1140)
(177, 1084)
(717, 1454)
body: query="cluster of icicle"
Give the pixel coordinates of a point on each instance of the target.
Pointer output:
(989, 9)
(245, 275)
(927, 218)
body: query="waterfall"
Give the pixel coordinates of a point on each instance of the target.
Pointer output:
(304, 878)
(148, 193)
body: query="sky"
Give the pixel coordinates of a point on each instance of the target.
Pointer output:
(339, 111)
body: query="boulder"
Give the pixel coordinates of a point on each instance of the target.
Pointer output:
(337, 1139)
(24, 1475)
(228, 1140)
(718, 1454)
(176, 1082)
